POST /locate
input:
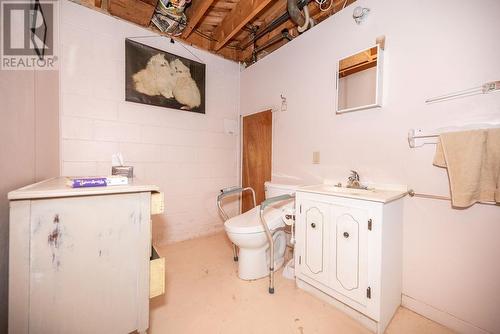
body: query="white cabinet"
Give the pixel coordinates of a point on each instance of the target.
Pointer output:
(348, 252)
(79, 259)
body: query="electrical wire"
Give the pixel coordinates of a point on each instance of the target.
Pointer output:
(326, 9)
(166, 36)
(322, 2)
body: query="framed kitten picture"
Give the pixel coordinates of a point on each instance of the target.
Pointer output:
(159, 78)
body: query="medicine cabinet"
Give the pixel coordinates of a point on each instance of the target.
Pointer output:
(359, 80)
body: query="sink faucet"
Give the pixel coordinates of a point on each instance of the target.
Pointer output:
(353, 181)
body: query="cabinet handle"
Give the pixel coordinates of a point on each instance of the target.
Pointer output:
(346, 235)
(313, 225)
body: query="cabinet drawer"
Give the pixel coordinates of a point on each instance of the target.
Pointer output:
(156, 274)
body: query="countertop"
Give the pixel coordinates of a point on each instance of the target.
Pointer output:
(374, 194)
(56, 187)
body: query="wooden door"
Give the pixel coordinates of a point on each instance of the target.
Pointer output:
(257, 148)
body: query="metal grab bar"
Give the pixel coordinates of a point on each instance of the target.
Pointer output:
(269, 236)
(232, 191)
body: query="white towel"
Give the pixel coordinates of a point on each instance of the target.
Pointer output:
(473, 162)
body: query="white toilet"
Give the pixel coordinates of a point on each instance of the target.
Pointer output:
(246, 232)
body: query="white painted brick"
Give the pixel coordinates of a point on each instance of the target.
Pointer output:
(180, 154)
(79, 168)
(104, 168)
(133, 152)
(109, 84)
(186, 154)
(77, 61)
(140, 113)
(194, 170)
(82, 150)
(115, 47)
(215, 124)
(85, 106)
(139, 171)
(76, 78)
(115, 131)
(172, 136)
(156, 172)
(208, 154)
(186, 204)
(220, 140)
(154, 134)
(76, 128)
(227, 169)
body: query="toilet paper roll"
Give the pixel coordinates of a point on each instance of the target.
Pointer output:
(288, 216)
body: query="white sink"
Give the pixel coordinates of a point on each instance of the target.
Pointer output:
(344, 190)
(377, 193)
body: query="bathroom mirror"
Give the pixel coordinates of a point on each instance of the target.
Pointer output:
(359, 80)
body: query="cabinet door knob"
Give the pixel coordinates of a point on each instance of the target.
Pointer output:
(313, 225)
(346, 235)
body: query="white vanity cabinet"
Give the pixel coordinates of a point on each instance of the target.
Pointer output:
(79, 258)
(348, 251)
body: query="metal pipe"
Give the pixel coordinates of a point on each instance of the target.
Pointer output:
(275, 39)
(296, 13)
(269, 236)
(273, 24)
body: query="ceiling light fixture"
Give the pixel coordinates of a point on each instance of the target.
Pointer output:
(359, 14)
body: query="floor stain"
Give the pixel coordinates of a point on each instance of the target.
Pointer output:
(301, 330)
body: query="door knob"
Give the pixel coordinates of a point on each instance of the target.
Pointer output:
(313, 225)
(346, 235)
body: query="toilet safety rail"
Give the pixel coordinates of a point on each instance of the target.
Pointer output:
(227, 192)
(269, 236)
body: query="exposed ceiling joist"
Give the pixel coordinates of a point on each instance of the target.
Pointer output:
(235, 29)
(195, 14)
(241, 14)
(315, 13)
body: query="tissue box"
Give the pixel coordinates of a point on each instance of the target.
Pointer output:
(127, 171)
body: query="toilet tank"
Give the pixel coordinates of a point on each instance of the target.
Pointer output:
(277, 189)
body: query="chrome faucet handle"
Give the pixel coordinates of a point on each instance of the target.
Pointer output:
(354, 176)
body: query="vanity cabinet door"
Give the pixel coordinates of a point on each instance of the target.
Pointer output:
(314, 224)
(348, 258)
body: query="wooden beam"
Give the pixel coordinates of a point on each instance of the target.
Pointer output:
(241, 14)
(203, 43)
(98, 3)
(195, 14)
(318, 16)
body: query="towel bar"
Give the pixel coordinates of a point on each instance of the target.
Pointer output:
(488, 87)
(412, 193)
(418, 137)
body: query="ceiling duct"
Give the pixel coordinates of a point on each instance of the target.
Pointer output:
(302, 20)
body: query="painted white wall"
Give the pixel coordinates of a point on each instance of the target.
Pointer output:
(29, 147)
(187, 154)
(432, 48)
